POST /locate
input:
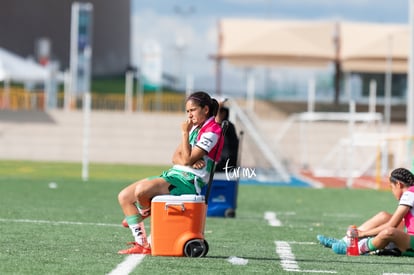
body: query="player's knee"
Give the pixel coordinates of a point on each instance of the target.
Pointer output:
(388, 233)
(122, 197)
(142, 191)
(384, 215)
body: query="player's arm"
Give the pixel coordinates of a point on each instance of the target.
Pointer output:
(395, 221)
(184, 154)
(198, 164)
(176, 155)
(184, 148)
(205, 144)
(184, 157)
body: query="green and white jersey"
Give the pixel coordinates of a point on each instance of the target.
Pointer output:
(206, 138)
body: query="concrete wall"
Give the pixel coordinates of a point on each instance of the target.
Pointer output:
(115, 137)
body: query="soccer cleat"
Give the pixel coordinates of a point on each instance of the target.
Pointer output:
(326, 241)
(339, 247)
(387, 252)
(135, 249)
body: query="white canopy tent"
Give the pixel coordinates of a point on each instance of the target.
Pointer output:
(367, 47)
(249, 42)
(14, 68)
(352, 46)
(359, 47)
(19, 69)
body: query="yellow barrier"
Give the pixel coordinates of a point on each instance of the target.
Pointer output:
(19, 99)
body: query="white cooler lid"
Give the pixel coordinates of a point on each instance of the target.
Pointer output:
(182, 198)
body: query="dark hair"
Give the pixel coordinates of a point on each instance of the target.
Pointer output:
(402, 175)
(203, 99)
(224, 111)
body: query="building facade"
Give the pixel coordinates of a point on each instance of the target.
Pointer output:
(23, 23)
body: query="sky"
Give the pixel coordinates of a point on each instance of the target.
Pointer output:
(186, 30)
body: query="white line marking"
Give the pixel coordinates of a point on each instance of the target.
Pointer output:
(128, 265)
(272, 219)
(237, 261)
(288, 261)
(59, 222)
(287, 258)
(397, 273)
(124, 268)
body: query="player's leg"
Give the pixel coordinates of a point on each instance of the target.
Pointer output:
(375, 221)
(133, 219)
(127, 199)
(146, 189)
(135, 201)
(401, 239)
(326, 241)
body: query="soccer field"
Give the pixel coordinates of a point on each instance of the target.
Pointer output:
(51, 222)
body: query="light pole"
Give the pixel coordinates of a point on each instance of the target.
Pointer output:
(410, 90)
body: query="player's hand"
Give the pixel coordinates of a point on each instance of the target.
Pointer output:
(360, 233)
(199, 164)
(186, 126)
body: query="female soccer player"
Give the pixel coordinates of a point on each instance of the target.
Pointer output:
(193, 162)
(385, 229)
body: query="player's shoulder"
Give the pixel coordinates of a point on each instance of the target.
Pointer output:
(212, 126)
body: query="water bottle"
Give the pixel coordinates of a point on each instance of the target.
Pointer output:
(352, 241)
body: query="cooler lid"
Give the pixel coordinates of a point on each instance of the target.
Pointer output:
(181, 198)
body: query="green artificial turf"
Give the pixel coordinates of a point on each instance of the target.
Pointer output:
(75, 228)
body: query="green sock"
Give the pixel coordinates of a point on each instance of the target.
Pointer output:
(134, 219)
(371, 246)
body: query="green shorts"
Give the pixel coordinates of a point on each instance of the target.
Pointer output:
(181, 182)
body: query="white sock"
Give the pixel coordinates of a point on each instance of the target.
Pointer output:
(363, 246)
(138, 231)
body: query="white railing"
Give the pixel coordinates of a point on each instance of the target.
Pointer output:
(263, 147)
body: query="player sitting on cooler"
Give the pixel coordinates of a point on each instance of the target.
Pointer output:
(193, 162)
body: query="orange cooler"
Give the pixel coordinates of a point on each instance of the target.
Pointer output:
(177, 226)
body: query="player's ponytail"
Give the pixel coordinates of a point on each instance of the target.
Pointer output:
(214, 107)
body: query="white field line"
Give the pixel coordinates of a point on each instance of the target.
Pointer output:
(397, 273)
(288, 261)
(59, 222)
(128, 265)
(124, 268)
(287, 258)
(272, 219)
